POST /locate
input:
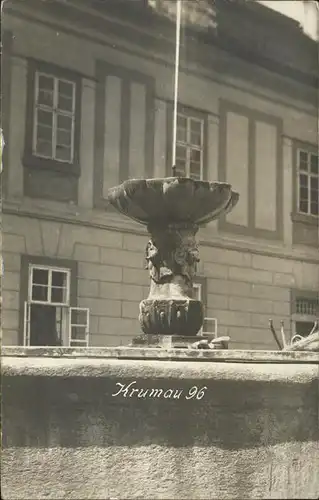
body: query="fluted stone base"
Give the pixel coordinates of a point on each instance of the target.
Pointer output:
(171, 316)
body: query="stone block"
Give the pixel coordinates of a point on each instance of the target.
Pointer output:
(11, 281)
(306, 275)
(130, 309)
(86, 253)
(10, 337)
(119, 326)
(278, 264)
(249, 335)
(250, 305)
(215, 270)
(281, 279)
(136, 276)
(10, 319)
(271, 292)
(100, 272)
(222, 330)
(225, 256)
(227, 287)
(250, 275)
(111, 340)
(258, 320)
(10, 299)
(101, 237)
(33, 237)
(260, 346)
(88, 288)
(228, 318)
(100, 307)
(135, 242)
(50, 236)
(215, 301)
(125, 258)
(281, 309)
(11, 262)
(72, 234)
(94, 326)
(121, 291)
(13, 243)
(110, 290)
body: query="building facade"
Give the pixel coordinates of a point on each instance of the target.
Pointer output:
(87, 103)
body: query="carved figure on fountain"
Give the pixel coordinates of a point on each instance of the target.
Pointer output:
(172, 251)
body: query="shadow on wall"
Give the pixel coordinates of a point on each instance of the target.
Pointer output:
(79, 412)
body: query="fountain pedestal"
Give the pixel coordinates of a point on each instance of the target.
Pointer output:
(172, 256)
(173, 209)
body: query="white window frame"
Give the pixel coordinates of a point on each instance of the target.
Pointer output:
(55, 111)
(66, 334)
(188, 146)
(214, 332)
(309, 177)
(26, 324)
(50, 270)
(86, 326)
(198, 287)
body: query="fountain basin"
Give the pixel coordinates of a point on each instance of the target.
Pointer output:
(251, 433)
(172, 200)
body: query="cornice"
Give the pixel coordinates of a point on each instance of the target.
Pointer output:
(109, 220)
(157, 32)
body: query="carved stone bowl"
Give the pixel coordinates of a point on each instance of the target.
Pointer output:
(172, 200)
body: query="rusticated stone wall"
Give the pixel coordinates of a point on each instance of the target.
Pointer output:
(244, 288)
(155, 424)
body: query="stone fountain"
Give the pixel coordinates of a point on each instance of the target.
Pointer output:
(172, 209)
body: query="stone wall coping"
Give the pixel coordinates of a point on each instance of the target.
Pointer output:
(160, 354)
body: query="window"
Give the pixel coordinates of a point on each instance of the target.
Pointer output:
(54, 118)
(210, 324)
(48, 318)
(209, 327)
(308, 182)
(305, 311)
(53, 130)
(78, 327)
(49, 285)
(307, 306)
(197, 291)
(189, 146)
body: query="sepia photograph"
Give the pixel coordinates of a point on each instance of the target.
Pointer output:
(159, 249)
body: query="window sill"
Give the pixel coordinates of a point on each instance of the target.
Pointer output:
(312, 220)
(303, 318)
(38, 163)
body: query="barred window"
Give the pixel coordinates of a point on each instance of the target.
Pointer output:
(307, 306)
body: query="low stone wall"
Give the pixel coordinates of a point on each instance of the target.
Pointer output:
(153, 424)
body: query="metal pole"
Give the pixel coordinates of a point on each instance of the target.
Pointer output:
(177, 50)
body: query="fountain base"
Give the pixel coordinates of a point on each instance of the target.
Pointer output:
(180, 342)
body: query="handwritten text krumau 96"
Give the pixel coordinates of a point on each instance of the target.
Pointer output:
(129, 391)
